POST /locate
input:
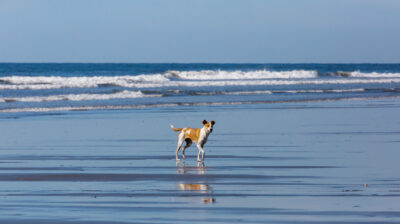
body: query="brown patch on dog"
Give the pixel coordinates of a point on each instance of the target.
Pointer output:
(192, 133)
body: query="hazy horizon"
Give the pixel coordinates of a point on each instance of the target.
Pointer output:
(217, 63)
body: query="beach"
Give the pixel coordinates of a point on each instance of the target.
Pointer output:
(302, 162)
(301, 99)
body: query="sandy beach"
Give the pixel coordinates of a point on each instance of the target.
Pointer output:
(315, 162)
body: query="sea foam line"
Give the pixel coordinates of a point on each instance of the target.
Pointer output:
(143, 106)
(201, 83)
(138, 94)
(358, 74)
(266, 92)
(79, 97)
(92, 81)
(56, 82)
(243, 75)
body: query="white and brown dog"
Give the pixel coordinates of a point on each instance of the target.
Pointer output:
(197, 135)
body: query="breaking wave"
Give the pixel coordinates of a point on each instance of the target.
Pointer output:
(244, 75)
(169, 78)
(166, 80)
(44, 93)
(358, 74)
(56, 82)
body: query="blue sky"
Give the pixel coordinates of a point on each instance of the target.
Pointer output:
(247, 31)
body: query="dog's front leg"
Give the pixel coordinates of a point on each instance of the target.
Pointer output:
(200, 151)
(203, 152)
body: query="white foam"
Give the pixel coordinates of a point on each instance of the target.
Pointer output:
(236, 92)
(345, 90)
(244, 75)
(303, 91)
(164, 80)
(323, 91)
(265, 82)
(56, 82)
(359, 74)
(79, 97)
(267, 92)
(83, 108)
(260, 92)
(150, 80)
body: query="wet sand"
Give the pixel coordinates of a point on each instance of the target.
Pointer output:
(321, 162)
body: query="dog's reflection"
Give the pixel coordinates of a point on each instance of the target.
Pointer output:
(195, 187)
(185, 168)
(198, 187)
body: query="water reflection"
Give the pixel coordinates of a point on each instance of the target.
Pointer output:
(200, 187)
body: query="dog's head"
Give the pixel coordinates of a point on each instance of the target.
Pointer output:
(209, 125)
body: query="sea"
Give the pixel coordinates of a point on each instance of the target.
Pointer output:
(53, 87)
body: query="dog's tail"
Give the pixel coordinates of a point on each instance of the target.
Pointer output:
(176, 129)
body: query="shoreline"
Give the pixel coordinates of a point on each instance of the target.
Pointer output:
(177, 105)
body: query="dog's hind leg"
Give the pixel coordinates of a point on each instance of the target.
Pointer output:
(180, 142)
(188, 144)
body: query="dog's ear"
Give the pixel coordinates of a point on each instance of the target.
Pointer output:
(212, 122)
(204, 122)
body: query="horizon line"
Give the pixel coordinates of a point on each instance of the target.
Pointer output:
(67, 62)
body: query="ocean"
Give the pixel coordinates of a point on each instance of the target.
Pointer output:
(27, 88)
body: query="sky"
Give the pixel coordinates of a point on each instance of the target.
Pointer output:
(200, 31)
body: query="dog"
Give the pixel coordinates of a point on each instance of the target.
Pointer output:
(197, 135)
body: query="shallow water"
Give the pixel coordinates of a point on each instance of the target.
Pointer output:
(326, 162)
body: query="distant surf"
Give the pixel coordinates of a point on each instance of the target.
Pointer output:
(196, 78)
(44, 87)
